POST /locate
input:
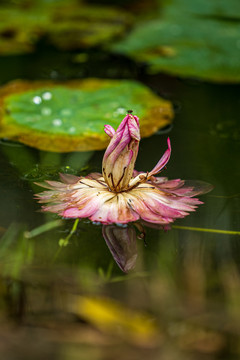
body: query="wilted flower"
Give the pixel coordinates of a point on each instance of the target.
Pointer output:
(121, 194)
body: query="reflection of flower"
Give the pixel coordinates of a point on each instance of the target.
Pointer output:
(121, 194)
(122, 243)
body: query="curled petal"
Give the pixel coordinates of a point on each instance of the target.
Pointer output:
(109, 130)
(94, 176)
(52, 185)
(196, 187)
(133, 126)
(141, 177)
(162, 162)
(68, 178)
(182, 187)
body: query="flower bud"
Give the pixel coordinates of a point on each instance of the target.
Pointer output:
(121, 153)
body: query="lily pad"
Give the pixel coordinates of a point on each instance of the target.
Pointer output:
(203, 43)
(70, 116)
(216, 9)
(84, 26)
(20, 30)
(67, 25)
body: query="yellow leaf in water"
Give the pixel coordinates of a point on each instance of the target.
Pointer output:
(110, 316)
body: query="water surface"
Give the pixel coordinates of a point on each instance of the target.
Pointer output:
(186, 281)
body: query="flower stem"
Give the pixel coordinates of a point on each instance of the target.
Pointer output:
(216, 231)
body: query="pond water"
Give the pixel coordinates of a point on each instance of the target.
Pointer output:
(182, 299)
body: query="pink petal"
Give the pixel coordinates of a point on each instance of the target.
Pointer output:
(57, 209)
(120, 155)
(109, 130)
(94, 176)
(55, 184)
(181, 187)
(133, 126)
(68, 178)
(156, 206)
(163, 161)
(115, 211)
(46, 185)
(163, 182)
(196, 187)
(72, 213)
(86, 203)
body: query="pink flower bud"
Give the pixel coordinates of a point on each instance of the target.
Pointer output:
(121, 153)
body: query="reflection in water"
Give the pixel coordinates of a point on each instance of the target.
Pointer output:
(122, 244)
(122, 241)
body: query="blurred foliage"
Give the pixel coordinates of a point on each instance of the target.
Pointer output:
(110, 316)
(85, 26)
(217, 9)
(198, 40)
(19, 30)
(67, 25)
(71, 116)
(182, 309)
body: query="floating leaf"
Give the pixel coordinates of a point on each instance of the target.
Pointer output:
(218, 9)
(70, 116)
(68, 25)
(20, 30)
(112, 317)
(200, 42)
(76, 27)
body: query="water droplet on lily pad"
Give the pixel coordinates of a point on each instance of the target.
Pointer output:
(46, 111)
(47, 95)
(121, 111)
(57, 122)
(37, 100)
(76, 112)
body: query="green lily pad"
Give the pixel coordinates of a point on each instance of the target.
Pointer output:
(76, 27)
(20, 30)
(217, 9)
(67, 25)
(70, 116)
(182, 42)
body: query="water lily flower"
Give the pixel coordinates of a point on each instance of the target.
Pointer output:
(121, 194)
